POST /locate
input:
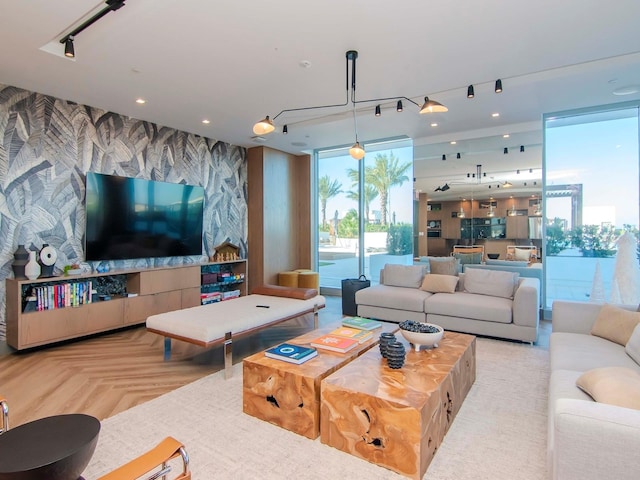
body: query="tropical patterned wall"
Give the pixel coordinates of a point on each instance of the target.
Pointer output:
(47, 146)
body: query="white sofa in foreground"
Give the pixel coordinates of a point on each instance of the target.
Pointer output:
(481, 302)
(588, 439)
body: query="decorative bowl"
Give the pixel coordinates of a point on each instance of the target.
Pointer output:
(493, 256)
(417, 338)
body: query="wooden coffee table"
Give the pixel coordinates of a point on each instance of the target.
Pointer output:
(288, 395)
(398, 418)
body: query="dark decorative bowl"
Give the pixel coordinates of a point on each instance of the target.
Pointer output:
(493, 256)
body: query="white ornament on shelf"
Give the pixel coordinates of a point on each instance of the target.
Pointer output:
(32, 268)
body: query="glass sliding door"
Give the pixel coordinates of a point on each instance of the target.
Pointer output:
(365, 211)
(591, 191)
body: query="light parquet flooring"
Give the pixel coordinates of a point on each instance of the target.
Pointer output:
(107, 374)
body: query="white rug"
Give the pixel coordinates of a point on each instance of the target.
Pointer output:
(499, 433)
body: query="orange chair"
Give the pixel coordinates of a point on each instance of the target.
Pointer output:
(158, 456)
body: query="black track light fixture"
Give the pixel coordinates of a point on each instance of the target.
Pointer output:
(458, 155)
(378, 113)
(67, 40)
(505, 151)
(470, 92)
(498, 88)
(445, 187)
(399, 106)
(285, 129)
(69, 51)
(521, 148)
(444, 157)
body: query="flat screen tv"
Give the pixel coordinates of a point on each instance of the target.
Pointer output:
(131, 218)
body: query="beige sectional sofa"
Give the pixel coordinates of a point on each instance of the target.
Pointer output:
(481, 302)
(588, 439)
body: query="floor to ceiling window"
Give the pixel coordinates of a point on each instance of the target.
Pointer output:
(591, 168)
(364, 211)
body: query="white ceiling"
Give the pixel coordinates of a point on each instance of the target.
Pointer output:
(233, 62)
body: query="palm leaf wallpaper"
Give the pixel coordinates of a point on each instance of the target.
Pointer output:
(47, 146)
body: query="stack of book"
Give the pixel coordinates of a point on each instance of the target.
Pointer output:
(291, 353)
(354, 331)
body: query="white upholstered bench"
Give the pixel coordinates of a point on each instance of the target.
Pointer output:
(220, 323)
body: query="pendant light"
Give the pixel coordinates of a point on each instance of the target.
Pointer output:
(264, 126)
(356, 151)
(431, 106)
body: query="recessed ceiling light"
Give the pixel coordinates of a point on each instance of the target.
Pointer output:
(141, 101)
(206, 122)
(434, 124)
(453, 142)
(506, 135)
(495, 114)
(627, 90)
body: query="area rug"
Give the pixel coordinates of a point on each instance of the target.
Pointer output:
(499, 433)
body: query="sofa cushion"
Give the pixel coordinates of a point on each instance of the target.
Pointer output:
(633, 345)
(613, 385)
(403, 275)
(469, 305)
(507, 263)
(444, 266)
(436, 283)
(491, 282)
(521, 254)
(468, 258)
(615, 324)
(580, 352)
(399, 298)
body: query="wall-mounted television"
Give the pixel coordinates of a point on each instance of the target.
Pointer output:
(131, 218)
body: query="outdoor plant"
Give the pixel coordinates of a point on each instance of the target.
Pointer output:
(400, 239)
(556, 238)
(594, 240)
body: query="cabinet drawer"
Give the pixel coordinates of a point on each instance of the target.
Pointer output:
(137, 309)
(157, 281)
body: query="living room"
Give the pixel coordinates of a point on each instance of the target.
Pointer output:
(62, 118)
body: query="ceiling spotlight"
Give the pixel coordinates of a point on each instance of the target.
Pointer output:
(470, 92)
(264, 126)
(444, 157)
(531, 170)
(69, 51)
(498, 86)
(378, 111)
(468, 175)
(445, 187)
(458, 155)
(431, 106)
(285, 129)
(518, 172)
(399, 106)
(356, 151)
(522, 148)
(505, 151)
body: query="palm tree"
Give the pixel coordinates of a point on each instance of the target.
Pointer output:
(327, 189)
(384, 174)
(370, 192)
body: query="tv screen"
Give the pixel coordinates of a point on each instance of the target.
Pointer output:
(135, 218)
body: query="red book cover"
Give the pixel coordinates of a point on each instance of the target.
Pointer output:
(334, 343)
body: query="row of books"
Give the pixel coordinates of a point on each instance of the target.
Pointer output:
(49, 297)
(213, 297)
(340, 340)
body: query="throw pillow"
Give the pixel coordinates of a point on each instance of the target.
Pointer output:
(615, 324)
(522, 254)
(496, 283)
(633, 345)
(444, 266)
(436, 283)
(507, 263)
(469, 258)
(403, 275)
(613, 385)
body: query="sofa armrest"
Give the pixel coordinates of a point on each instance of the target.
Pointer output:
(595, 441)
(526, 303)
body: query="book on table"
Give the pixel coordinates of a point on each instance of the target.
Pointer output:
(334, 343)
(361, 323)
(354, 333)
(291, 353)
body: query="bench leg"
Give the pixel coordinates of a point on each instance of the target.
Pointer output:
(167, 348)
(228, 355)
(315, 316)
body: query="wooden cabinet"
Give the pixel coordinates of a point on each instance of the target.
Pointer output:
(451, 228)
(518, 227)
(132, 296)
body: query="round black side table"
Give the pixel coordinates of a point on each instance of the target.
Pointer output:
(51, 448)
